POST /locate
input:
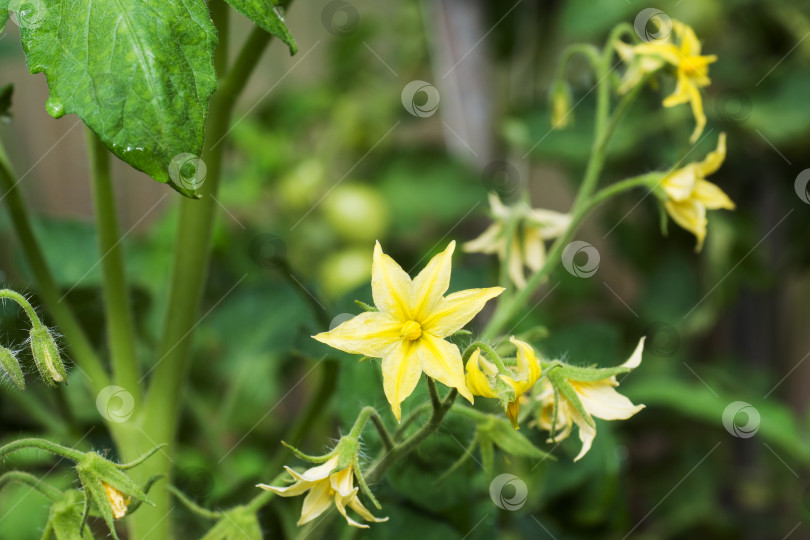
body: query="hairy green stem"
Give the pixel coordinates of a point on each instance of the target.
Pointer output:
(80, 347)
(487, 351)
(117, 305)
(41, 444)
(29, 479)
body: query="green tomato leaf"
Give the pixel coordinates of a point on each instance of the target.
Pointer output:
(137, 73)
(268, 16)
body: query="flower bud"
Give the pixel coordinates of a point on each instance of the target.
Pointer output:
(560, 105)
(46, 355)
(11, 367)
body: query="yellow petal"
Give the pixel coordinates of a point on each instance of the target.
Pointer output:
(512, 412)
(635, 359)
(441, 360)
(390, 285)
(499, 210)
(431, 283)
(341, 481)
(316, 502)
(681, 93)
(488, 242)
(533, 248)
(455, 310)
(550, 224)
(515, 263)
(315, 474)
(340, 503)
(600, 399)
(477, 382)
(711, 196)
(680, 184)
(371, 333)
(528, 365)
(401, 370)
(690, 45)
(691, 215)
(715, 158)
(696, 101)
(289, 491)
(363, 512)
(587, 433)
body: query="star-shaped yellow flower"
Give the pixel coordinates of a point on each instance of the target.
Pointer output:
(325, 487)
(689, 194)
(409, 330)
(691, 70)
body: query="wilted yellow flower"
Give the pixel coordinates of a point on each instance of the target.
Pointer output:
(689, 194)
(118, 501)
(482, 377)
(597, 398)
(691, 69)
(325, 486)
(409, 329)
(527, 245)
(638, 65)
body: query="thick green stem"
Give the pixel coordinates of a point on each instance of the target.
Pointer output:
(80, 347)
(117, 305)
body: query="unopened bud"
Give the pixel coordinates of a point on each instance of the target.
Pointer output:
(46, 356)
(560, 105)
(11, 367)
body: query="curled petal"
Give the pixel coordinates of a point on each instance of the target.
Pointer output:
(711, 196)
(587, 433)
(363, 512)
(600, 399)
(715, 158)
(528, 365)
(341, 482)
(691, 215)
(477, 382)
(635, 359)
(489, 241)
(316, 502)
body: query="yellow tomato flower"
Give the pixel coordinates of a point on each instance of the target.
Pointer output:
(691, 69)
(482, 377)
(527, 245)
(638, 65)
(409, 330)
(598, 398)
(325, 487)
(689, 194)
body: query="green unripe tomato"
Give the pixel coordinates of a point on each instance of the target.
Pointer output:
(357, 212)
(345, 270)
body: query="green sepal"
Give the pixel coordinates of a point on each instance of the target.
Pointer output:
(584, 374)
(561, 384)
(468, 452)
(306, 457)
(11, 367)
(239, 523)
(365, 307)
(361, 481)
